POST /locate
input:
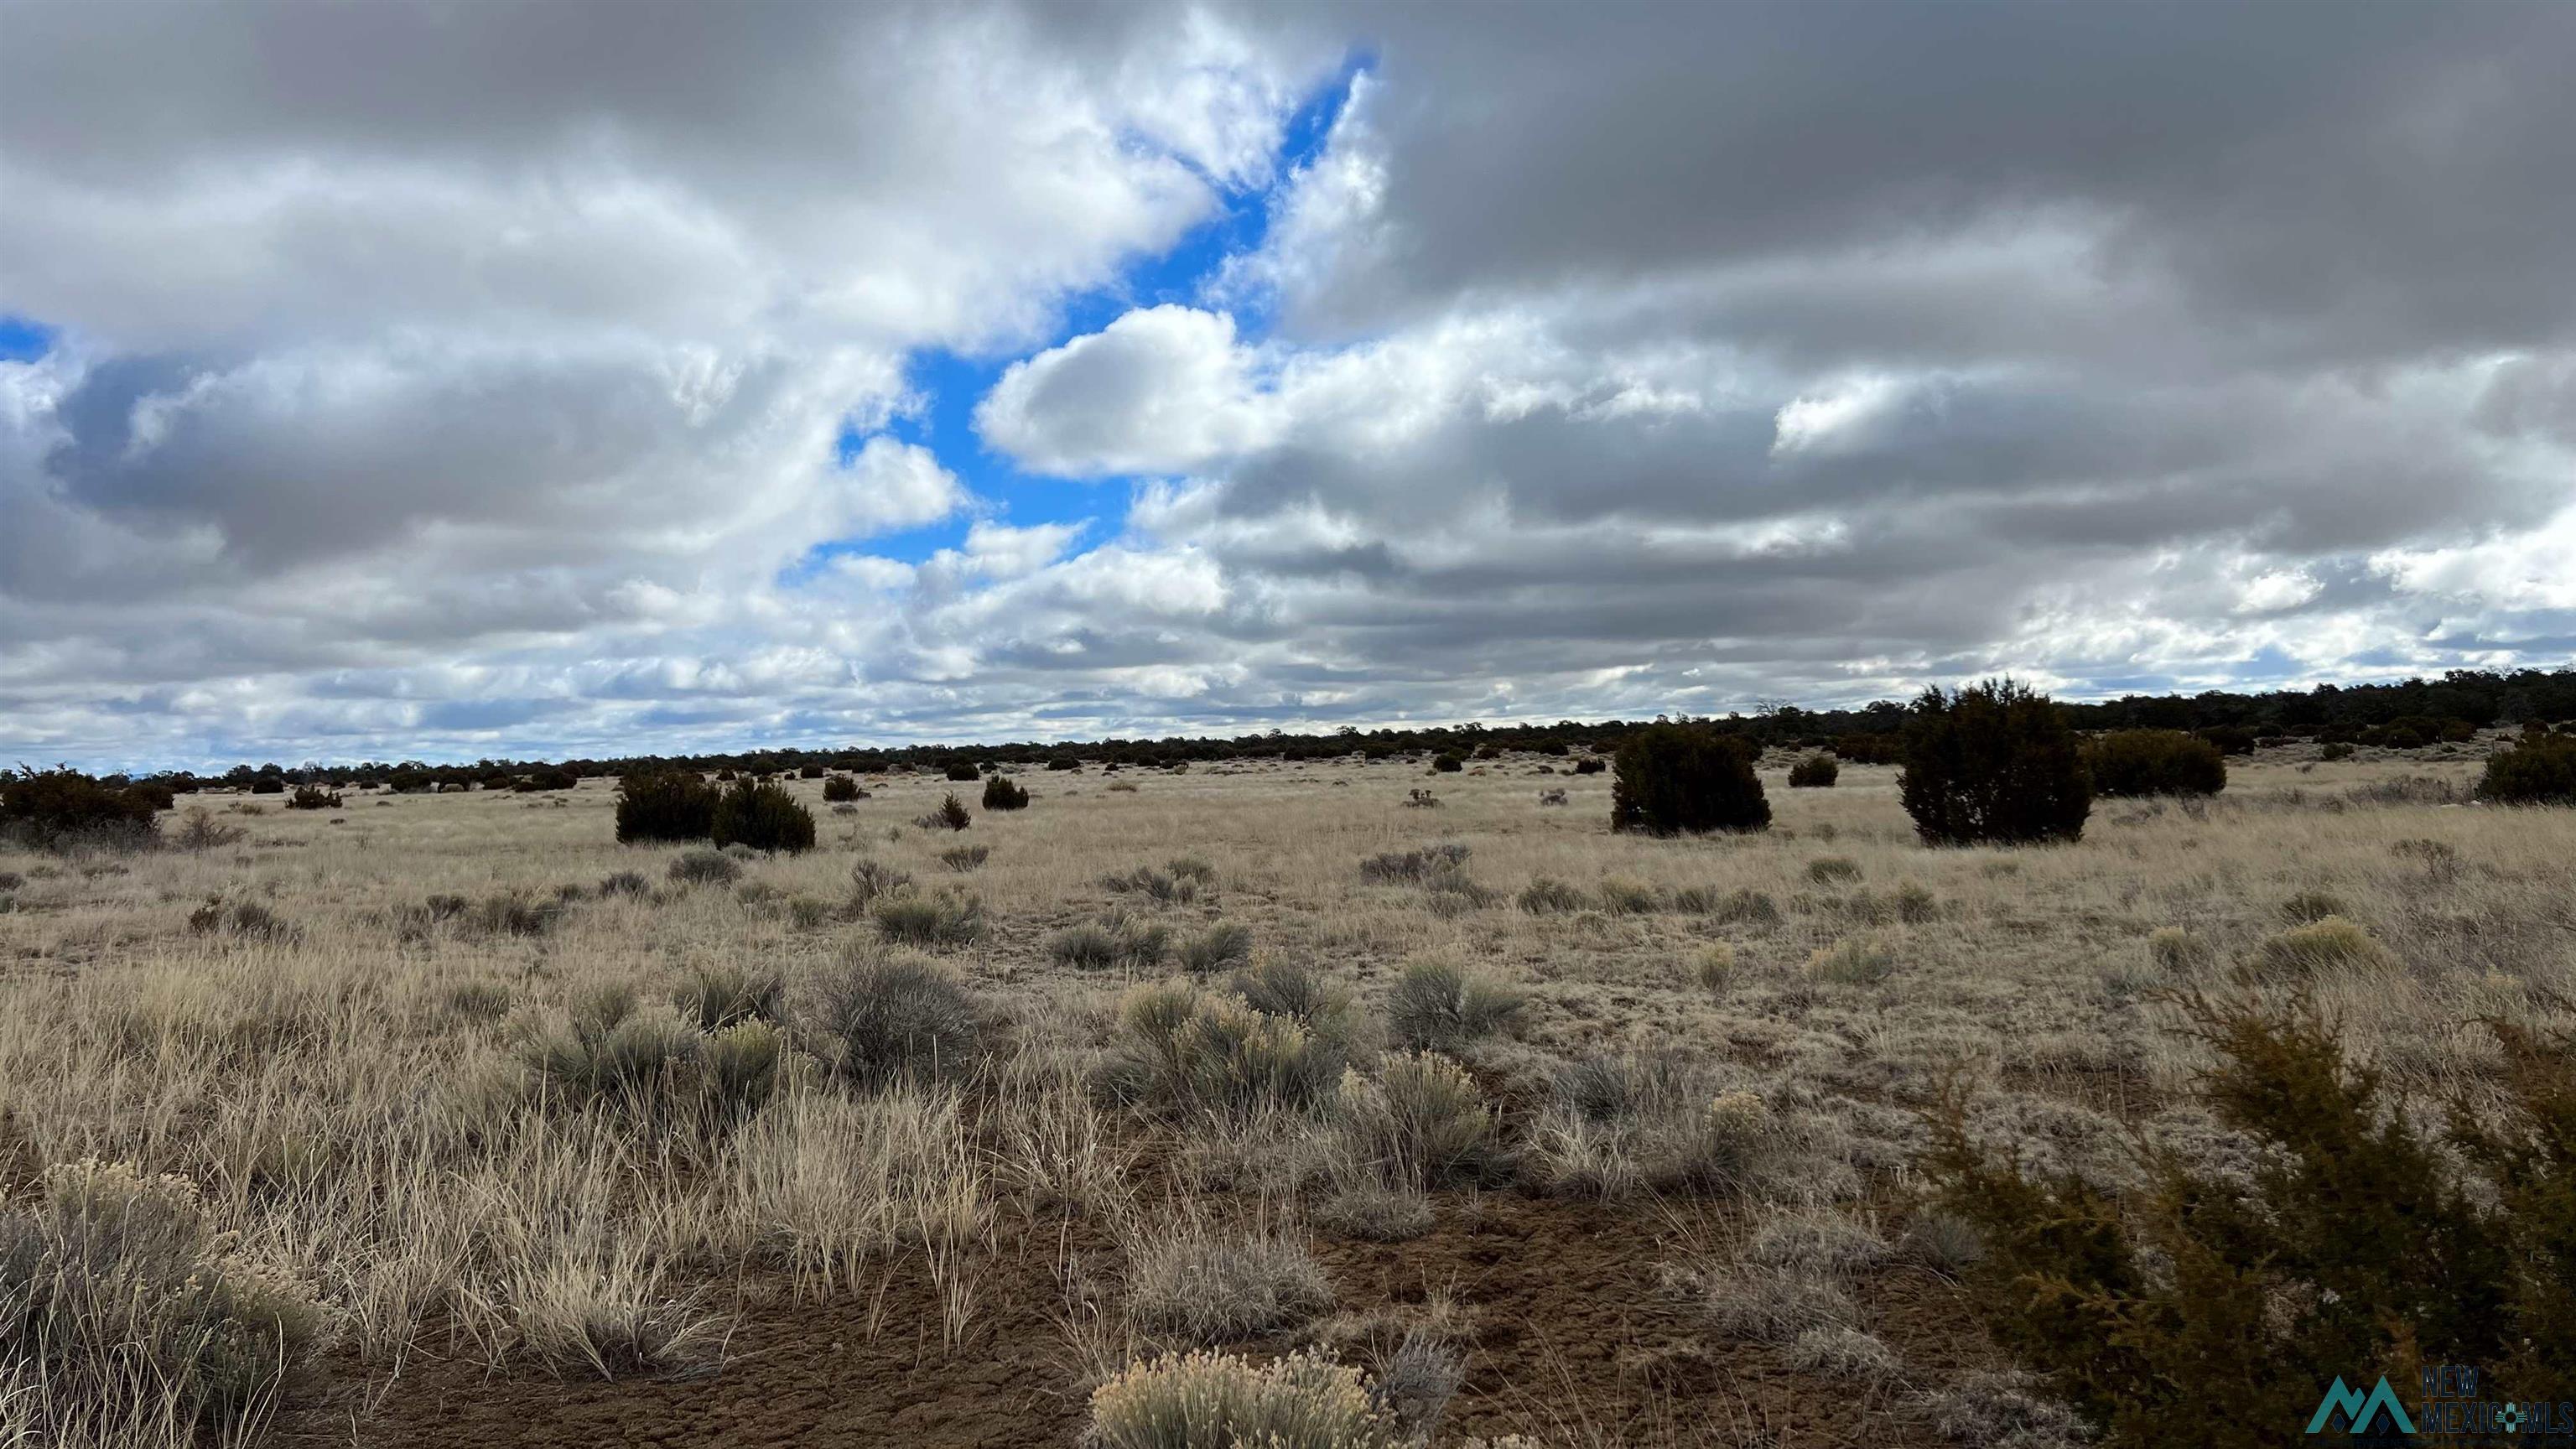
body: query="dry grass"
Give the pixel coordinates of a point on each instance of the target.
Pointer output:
(1734, 1025)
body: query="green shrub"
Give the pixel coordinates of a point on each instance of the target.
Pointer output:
(1441, 1006)
(2360, 1244)
(1121, 940)
(124, 1314)
(1992, 764)
(2154, 762)
(951, 815)
(763, 817)
(1815, 772)
(963, 772)
(665, 805)
(1683, 778)
(964, 859)
(1589, 766)
(840, 788)
(1415, 866)
(1001, 794)
(949, 918)
(2338, 750)
(2539, 770)
(1448, 764)
(1159, 886)
(1217, 1401)
(545, 778)
(313, 797)
(64, 809)
(879, 1020)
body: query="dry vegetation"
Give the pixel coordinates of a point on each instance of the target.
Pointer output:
(444, 1119)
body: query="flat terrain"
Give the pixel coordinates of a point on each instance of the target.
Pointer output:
(346, 1079)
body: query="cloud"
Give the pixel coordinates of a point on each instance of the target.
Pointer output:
(1594, 361)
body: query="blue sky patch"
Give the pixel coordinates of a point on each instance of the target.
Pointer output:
(24, 339)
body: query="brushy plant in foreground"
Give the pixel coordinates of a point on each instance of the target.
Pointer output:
(2154, 762)
(2361, 1244)
(882, 1020)
(1992, 764)
(125, 1318)
(1676, 779)
(764, 817)
(1218, 1401)
(1441, 1006)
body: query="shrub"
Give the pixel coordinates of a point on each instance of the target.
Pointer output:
(125, 1315)
(1414, 866)
(1829, 869)
(1589, 766)
(880, 1020)
(951, 815)
(1001, 794)
(200, 830)
(665, 805)
(2338, 750)
(1122, 940)
(242, 920)
(1448, 764)
(2154, 762)
(1815, 772)
(1162, 887)
(1441, 1006)
(1064, 763)
(1188, 1052)
(2362, 1242)
(1993, 763)
(1422, 1123)
(1547, 897)
(1854, 961)
(963, 772)
(2321, 946)
(1203, 1286)
(548, 778)
(268, 785)
(705, 867)
(313, 797)
(1221, 947)
(965, 858)
(715, 997)
(763, 817)
(1678, 778)
(64, 809)
(841, 788)
(949, 918)
(872, 880)
(1217, 1401)
(652, 1069)
(2539, 770)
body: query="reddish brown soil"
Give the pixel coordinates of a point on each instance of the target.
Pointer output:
(1565, 1332)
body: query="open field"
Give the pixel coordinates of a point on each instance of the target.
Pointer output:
(1676, 1206)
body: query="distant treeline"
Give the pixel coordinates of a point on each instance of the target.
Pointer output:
(2410, 714)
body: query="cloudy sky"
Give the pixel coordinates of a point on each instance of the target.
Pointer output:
(585, 378)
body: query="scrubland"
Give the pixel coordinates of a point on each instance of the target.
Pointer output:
(1463, 1120)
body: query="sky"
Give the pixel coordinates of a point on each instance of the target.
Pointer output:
(582, 379)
